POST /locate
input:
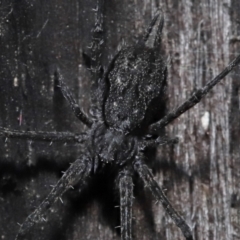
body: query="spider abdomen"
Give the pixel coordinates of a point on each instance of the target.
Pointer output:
(136, 80)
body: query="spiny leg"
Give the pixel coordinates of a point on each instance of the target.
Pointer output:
(146, 175)
(126, 201)
(43, 136)
(194, 99)
(68, 96)
(78, 171)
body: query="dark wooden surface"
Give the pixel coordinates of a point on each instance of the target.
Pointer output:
(200, 174)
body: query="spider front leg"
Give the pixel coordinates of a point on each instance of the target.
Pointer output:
(92, 59)
(126, 201)
(78, 171)
(147, 177)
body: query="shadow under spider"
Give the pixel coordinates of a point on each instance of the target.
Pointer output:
(99, 189)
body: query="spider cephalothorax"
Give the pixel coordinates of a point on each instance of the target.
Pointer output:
(127, 109)
(111, 146)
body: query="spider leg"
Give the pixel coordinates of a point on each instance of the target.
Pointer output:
(126, 201)
(43, 136)
(79, 170)
(146, 175)
(68, 96)
(194, 99)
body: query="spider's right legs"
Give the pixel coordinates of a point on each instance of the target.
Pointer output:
(126, 201)
(78, 171)
(93, 62)
(93, 57)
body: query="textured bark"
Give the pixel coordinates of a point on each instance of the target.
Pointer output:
(201, 173)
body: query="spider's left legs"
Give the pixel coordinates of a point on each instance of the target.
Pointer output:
(146, 175)
(78, 171)
(126, 201)
(97, 41)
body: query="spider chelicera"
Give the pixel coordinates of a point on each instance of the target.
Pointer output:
(126, 99)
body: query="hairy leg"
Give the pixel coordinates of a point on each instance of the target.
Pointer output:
(126, 201)
(78, 171)
(97, 42)
(146, 175)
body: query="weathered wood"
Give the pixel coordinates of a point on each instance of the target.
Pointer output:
(201, 173)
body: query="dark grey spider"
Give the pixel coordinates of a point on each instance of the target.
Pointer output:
(126, 99)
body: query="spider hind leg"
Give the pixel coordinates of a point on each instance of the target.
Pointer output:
(126, 201)
(148, 179)
(78, 171)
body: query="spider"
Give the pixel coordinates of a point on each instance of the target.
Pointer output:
(126, 100)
